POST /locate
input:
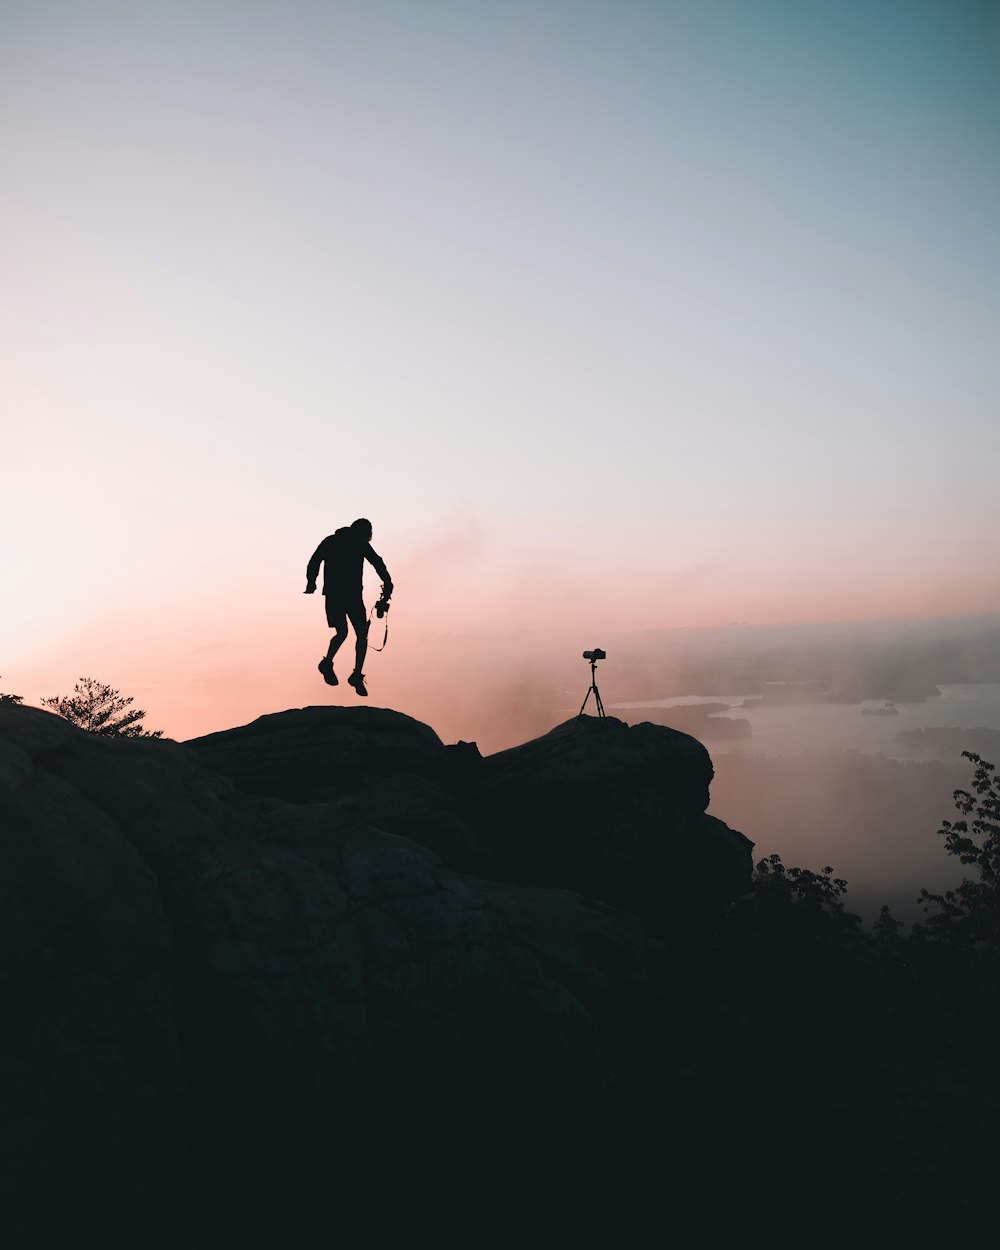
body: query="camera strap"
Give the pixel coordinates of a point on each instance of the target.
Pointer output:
(385, 622)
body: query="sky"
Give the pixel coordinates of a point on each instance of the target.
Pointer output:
(610, 316)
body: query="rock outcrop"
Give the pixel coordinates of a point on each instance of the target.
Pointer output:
(310, 754)
(611, 811)
(617, 813)
(236, 968)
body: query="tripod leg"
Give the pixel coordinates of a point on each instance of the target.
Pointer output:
(600, 704)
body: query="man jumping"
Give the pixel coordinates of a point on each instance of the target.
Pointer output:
(343, 555)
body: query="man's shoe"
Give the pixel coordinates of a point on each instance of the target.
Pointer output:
(325, 666)
(357, 680)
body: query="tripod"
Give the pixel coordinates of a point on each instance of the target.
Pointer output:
(592, 691)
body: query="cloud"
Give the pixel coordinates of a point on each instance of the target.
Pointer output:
(457, 543)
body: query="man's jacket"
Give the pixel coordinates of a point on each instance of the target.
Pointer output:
(343, 556)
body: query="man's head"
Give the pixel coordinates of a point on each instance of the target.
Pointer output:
(362, 528)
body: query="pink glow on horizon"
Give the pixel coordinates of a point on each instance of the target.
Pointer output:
(478, 647)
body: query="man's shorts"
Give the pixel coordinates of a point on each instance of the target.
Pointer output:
(340, 606)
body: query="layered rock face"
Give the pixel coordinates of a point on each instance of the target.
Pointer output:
(249, 971)
(612, 811)
(616, 813)
(94, 1120)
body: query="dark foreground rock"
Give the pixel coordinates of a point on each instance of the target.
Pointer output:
(253, 996)
(192, 971)
(94, 1104)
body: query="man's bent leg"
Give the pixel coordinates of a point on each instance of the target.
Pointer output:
(336, 617)
(360, 622)
(336, 642)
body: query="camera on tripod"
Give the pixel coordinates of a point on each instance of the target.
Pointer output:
(598, 653)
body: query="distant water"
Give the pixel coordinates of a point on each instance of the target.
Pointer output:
(795, 728)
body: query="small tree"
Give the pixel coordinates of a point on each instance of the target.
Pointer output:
(10, 698)
(955, 952)
(804, 902)
(970, 914)
(101, 710)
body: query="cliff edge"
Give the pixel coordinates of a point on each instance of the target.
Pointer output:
(243, 971)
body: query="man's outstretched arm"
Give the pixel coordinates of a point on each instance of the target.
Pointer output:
(312, 568)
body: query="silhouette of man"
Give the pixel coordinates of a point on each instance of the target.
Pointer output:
(343, 555)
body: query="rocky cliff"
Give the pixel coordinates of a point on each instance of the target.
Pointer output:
(614, 812)
(251, 980)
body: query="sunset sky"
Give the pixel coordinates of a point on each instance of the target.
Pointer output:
(610, 316)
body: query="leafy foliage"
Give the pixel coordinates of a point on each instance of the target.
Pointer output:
(887, 939)
(800, 886)
(795, 905)
(931, 994)
(969, 915)
(101, 710)
(10, 698)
